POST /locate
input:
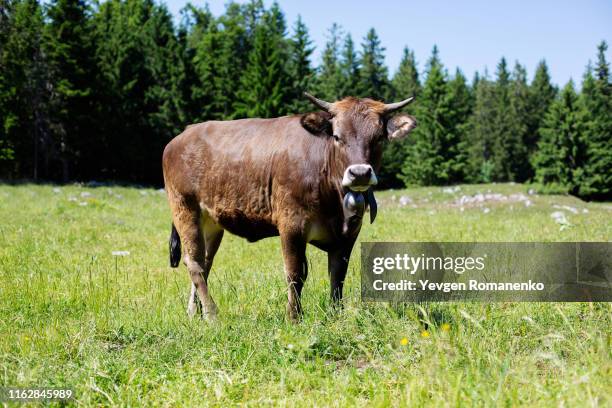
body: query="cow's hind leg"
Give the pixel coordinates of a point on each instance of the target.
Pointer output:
(194, 306)
(213, 234)
(186, 217)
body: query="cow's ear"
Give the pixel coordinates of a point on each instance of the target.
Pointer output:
(317, 123)
(399, 126)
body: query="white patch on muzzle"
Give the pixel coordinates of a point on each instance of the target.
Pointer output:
(354, 177)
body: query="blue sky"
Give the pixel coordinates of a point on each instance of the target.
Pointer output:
(471, 35)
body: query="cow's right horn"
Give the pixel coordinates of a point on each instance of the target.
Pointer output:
(392, 107)
(326, 106)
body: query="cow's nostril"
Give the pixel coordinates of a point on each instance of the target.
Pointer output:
(360, 171)
(359, 177)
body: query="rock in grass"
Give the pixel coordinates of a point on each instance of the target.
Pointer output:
(405, 200)
(561, 219)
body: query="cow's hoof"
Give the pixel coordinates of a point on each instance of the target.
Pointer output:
(209, 317)
(294, 316)
(209, 312)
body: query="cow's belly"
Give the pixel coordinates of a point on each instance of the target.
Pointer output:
(252, 227)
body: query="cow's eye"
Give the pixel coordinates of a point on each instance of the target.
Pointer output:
(336, 138)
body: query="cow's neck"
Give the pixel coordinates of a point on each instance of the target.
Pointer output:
(333, 169)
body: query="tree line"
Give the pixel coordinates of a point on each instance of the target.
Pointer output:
(92, 91)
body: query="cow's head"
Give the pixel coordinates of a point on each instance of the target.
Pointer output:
(360, 127)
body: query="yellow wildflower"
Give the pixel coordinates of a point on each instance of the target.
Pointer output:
(425, 334)
(404, 341)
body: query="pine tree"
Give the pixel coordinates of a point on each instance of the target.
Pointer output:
(165, 68)
(542, 94)
(596, 179)
(300, 70)
(69, 49)
(560, 156)
(474, 84)
(518, 154)
(6, 11)
(432, 157)
(405, 84)
(479, 149)
(328, 84)
(501, 122)
(231, 57)
(26, 145)
(495, 147)
(253, 12)
(350, 70)
(460, 97)
(461, 105)
(206, 92)
(509, 151)
(264, 86)
(137, 62)
(374, 75)
(7, 152)
(192, 49)
(275, 19)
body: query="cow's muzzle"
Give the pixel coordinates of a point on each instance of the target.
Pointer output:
(359, 177)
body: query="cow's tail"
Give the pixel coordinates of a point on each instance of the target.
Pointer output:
(175, 248)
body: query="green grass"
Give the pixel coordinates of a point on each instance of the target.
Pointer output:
(115, 328)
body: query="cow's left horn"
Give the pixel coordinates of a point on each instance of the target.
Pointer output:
(326, 106)
(392, 107)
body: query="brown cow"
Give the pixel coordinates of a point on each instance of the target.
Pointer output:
(306, 178)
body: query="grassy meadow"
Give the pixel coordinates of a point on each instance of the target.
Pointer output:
(114, 327)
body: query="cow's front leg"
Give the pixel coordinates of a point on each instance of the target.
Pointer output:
(296, 270)
(337, 265)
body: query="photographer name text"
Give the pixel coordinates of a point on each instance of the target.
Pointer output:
(447, 287)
